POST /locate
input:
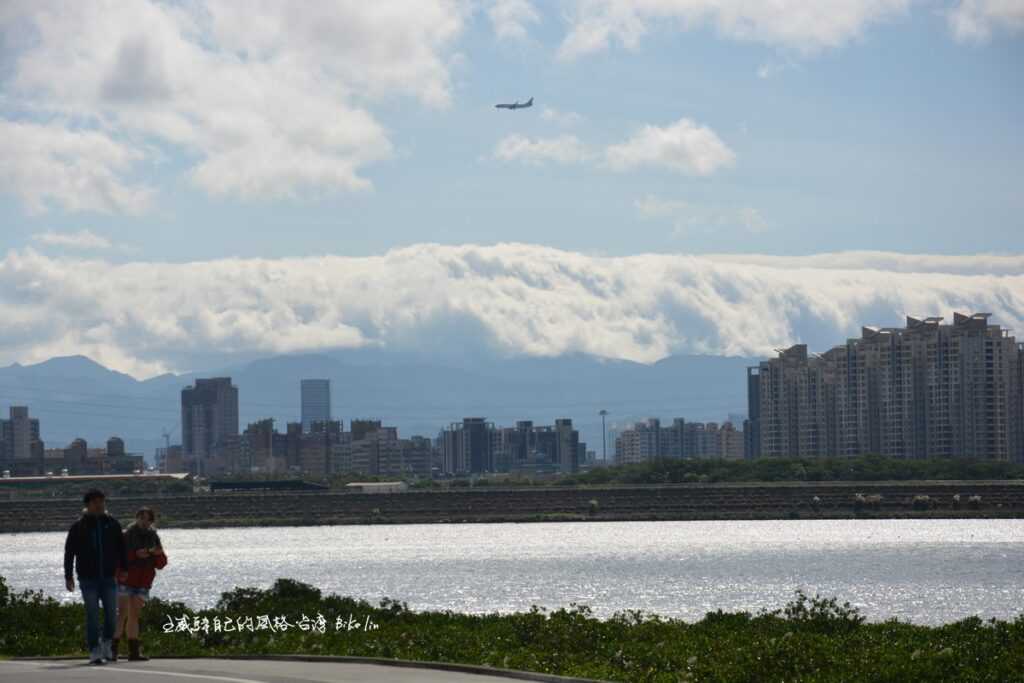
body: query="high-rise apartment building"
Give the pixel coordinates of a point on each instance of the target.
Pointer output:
(316, 402)
(640, 443)
(20, 433)
(476, 446)
(924, 390)
(21, 448)
(467, 446)
(648, 440)
(209, 416)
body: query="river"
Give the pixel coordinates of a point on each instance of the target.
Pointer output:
(924, 571)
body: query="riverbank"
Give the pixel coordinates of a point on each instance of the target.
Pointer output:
(676, 502)
(810, 639)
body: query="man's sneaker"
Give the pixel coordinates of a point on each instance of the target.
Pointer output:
(96, 656)
(106, 650)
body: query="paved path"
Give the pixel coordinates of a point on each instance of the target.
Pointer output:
(227, 671)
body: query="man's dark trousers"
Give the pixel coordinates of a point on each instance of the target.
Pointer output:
(95, 591)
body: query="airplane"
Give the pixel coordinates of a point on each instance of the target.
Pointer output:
(515, 105)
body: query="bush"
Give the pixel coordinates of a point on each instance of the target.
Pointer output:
(809, 639)
(822, 614)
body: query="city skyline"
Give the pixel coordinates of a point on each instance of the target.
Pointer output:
(927, 389)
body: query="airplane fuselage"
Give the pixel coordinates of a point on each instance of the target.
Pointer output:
(515, 105)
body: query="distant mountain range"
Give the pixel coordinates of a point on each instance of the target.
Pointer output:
(76, 397)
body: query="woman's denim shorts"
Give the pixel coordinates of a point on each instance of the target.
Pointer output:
(132, 592)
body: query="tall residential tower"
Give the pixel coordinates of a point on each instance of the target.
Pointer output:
(209, 416)
(927, 390)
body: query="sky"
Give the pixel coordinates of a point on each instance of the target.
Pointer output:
(695, 176)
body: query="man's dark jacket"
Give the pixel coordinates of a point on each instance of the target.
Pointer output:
(95, 546)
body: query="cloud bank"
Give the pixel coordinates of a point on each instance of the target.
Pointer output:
(975, 20)
(799, 26)
(802, 26)
(263, 100)
(144, 318)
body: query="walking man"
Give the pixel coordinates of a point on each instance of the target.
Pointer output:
(95, 547)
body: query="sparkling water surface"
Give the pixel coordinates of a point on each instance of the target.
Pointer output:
(925, 571)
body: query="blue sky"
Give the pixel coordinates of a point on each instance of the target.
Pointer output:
(145, 132)
(902, 138)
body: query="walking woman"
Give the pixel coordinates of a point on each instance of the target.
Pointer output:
(145, 555)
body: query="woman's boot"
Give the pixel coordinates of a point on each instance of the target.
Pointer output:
(134, 655)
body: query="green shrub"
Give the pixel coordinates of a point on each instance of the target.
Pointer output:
(809, 639)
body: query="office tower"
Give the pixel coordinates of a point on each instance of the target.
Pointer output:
(316, 402)
(209, 416)
(567, 452)
(919, 391)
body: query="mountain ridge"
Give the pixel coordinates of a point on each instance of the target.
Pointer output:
(75, 396)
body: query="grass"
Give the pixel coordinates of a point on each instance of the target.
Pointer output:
(810, 639)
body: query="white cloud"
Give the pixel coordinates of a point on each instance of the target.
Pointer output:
(798, 25)
(562, 118)
(79, 170)
(682, 146)
(510, 18)
(83, 239)
(257, 109)
(687, 217)
(563, 149)
(143, 317)
(975, 20)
